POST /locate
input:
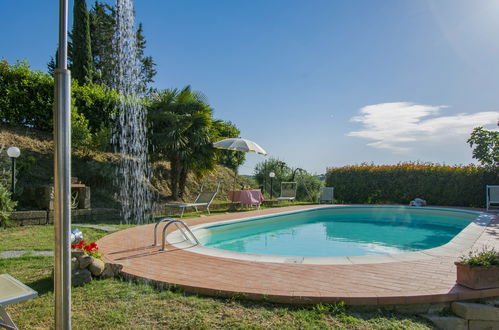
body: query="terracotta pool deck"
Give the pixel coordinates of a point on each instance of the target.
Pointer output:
(417, 279)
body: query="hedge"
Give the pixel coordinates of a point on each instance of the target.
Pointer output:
(27, 98)
(399, 184)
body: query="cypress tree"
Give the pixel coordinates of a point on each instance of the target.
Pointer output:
(102, 27)
(81, 49)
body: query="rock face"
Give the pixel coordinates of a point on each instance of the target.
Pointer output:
(80, 277)
(96, 267)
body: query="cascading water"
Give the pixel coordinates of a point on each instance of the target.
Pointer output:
(130, 133)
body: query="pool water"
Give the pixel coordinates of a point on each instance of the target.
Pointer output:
(340, 231)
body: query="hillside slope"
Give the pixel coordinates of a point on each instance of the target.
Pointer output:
(95, 169)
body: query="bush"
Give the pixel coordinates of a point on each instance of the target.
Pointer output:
(437, 184)
(485, 258)
(27, 98)
(6, 206)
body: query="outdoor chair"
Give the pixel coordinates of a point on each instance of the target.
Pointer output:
(12, 291)
(288, 191)
(492, 197)
(205, 198)
(327, 195)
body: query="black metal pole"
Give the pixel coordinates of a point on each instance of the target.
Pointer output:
(13, 185)
(271, 187)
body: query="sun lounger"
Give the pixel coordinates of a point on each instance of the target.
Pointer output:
(288, 191)
(492, 197)
(205, 198)
(327, 195)
(12, 291)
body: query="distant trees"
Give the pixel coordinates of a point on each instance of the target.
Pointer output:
(223, 130)
(92, 42)
(485, 146)
(81, 49)
(308, 185)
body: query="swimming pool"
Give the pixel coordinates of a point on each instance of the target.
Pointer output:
(339, 231)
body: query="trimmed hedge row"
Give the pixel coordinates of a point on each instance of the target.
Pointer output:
(27, 98)
(437, 184)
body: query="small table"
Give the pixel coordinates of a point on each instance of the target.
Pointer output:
(246, 197)
(12, 291)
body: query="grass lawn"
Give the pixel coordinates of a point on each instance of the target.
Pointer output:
(41, 237)
(116, 304)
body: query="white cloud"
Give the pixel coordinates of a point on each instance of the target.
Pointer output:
(397, 126)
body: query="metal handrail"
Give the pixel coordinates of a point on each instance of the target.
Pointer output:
(176, 222)
(156, 228)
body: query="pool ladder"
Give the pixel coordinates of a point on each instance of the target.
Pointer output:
(182, 227)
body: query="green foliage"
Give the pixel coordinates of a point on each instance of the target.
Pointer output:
(6, 206)
(486, 146)
(26, 97)
(308, 185)
(223, 130)
(26, 100)
(80, 132)
(147, 71)
(485, 258)
(102, 25)
(180, 124)
(437, 184)
(97, 104)
(81, 48)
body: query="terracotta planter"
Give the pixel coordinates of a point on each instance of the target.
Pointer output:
(477, 277)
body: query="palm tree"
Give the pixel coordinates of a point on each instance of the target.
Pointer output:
(180, 125)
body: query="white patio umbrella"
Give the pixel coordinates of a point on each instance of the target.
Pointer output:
(239, 144)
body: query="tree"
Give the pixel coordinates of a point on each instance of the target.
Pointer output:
(223, 130)
(262, 170)
(102, 27)
(81, 48)
(485, 146)
(147, 71)
(180, 126)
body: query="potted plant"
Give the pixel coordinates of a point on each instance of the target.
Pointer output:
(479, 269)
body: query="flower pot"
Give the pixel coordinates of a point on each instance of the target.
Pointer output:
(477, 277)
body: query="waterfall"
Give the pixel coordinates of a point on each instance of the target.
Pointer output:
(130, 131)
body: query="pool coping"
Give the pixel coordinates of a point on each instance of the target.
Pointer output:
(463, 241)
(415, 282)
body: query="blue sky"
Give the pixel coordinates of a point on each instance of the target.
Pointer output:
(316, 83)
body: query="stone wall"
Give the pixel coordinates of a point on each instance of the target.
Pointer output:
(42, 217)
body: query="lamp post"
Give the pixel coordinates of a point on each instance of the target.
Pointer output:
(271, 175)
(13, 153)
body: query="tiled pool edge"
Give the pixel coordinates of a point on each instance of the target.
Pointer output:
(431, 282)
(454, 248)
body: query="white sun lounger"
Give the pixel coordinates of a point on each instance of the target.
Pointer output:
(288, 191)
(205, 198)
(12, 291)
(327, 195)
(492, 197)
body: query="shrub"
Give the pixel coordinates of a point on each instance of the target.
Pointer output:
(27, 98)
(6, 206)
(437, 184)
(485, 258)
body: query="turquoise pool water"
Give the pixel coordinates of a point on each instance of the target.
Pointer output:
(340, 231)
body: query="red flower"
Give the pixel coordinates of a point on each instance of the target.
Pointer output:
(82, 242)
(73, 246)
(93, 244)
(79, 246)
